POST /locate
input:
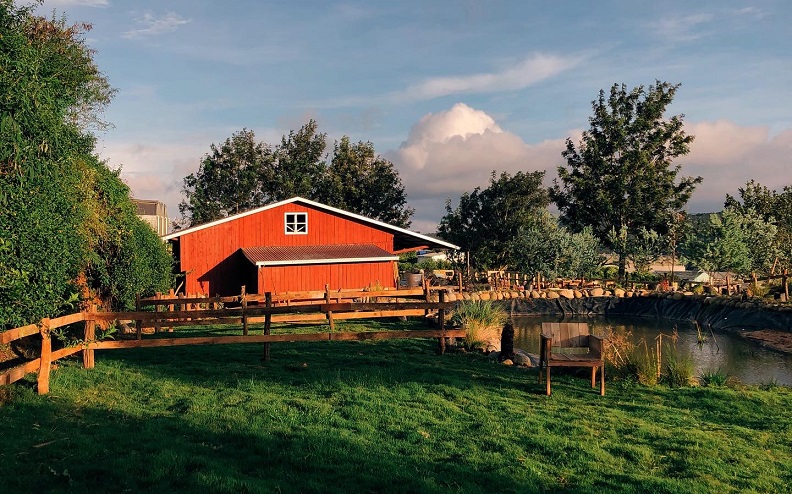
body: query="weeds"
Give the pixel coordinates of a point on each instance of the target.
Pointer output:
(714, 378)
(679, 368)
(477, 317)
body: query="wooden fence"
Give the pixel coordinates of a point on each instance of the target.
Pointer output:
(244, 310)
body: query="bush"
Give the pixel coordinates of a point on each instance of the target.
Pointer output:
(477, 317)
(678, 369)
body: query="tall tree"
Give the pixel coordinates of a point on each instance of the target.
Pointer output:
(620, 176)
(359, 181)
(485, 221)
(234, 177)
(300, 163)
(772, 206)
(242, 174)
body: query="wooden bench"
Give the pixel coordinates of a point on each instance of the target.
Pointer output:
(570, 344)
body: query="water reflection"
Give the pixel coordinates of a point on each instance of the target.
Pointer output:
(732, 354)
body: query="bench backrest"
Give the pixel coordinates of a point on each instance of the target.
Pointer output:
(567, 334)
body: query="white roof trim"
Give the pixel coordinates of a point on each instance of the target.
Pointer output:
(300, 262)
(316, 205)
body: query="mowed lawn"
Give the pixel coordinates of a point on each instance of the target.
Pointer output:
(388, 416)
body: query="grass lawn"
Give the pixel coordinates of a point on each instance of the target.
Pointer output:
(386, 416)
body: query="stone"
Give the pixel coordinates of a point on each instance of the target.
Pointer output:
(535, 294)
(507, 362)
(578, 294)
(484, 295)
(597, 292)
(607, 293)
(618, 292)
(475, 296)
(553, 295)
(629, 294)
(567, 293)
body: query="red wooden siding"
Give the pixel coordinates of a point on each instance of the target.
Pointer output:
(213, 266)
(315, 276)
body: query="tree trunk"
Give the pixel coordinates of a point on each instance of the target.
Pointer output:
(622, 268)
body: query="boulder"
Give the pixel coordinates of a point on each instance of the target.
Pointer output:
(507, 362)
(597, 292)
(552, 295)
(535, 294)
(618, 292)
(578, 294)
(567, 293)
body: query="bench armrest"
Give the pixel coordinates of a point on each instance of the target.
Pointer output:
(598, 344)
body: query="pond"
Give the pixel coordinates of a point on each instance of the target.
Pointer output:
(730, 353)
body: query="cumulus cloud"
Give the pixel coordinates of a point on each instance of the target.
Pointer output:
(728, 155)
(153, 25)
(529, 71)
(454, 151)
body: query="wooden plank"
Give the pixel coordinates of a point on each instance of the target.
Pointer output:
(18, 333)
(267, 325)
(14, 374)
(65, 352)
(168, 300)
(273, 338)
(66, 320)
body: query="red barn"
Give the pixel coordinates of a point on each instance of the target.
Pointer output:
(293, 245)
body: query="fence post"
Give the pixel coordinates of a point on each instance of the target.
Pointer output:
(157, 325)
(138, 322)
(329, 312)
(171, 307)
(267, 323)
(46, 357)
(784, 280)
(90, 336)
(441, 346)
(244, 312)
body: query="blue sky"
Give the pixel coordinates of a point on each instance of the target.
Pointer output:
(447, 90)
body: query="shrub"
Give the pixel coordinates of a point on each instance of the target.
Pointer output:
(714, 378)
(478, 316)
(678, 369)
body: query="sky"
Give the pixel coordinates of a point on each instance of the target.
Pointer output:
(449, 91)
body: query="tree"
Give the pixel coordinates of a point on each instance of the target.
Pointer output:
(733, 241)
(544, 246)
(59, 202)
(358, 180)
(771, 206)
(232, 178)
(485, 222)
(243, 174)
(299, 167)
(620, 176)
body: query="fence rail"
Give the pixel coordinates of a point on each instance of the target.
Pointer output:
(247, 311)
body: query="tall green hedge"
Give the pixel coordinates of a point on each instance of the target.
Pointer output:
(67, 224)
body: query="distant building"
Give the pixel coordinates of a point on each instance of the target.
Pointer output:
(153, 213)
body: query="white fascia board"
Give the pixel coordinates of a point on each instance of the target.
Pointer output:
(317, 205)
(300, 262)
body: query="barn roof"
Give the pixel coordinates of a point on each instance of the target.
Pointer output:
(403, 239)
(316, 254)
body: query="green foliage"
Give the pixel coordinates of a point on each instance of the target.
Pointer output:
(59, 201)
(242, 174)
(485, 221)
(477, 316)
(714, 378)
(360, 181)
(429, 265)
(544, 246)
(408, 262)
(734, 241)
(678, 367)
(643, 247)
(620, 176)
(773, 207)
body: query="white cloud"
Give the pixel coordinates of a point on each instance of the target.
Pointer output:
(529, 71)
(682, 28)
(454, 151)
(727, 155)
(153, 25)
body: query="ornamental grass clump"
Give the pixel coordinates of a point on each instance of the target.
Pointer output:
(481, 319)
(714, 378)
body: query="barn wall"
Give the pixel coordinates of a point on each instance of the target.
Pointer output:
(208, 255)
(314, 277)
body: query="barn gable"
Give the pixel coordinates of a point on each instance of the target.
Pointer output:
(295, 244)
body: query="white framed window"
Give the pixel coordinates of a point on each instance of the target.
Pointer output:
(296, 223)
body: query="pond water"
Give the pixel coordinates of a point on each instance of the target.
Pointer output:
(736, 356)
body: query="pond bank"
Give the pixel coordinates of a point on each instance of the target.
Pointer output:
(771, 325)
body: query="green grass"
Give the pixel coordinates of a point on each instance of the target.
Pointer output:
(386, 416)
